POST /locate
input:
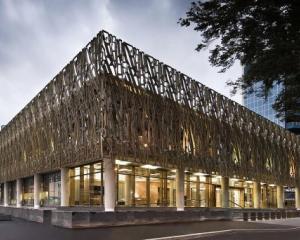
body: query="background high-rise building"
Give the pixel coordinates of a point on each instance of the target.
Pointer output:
(263, 106)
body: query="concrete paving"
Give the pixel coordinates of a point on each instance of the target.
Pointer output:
(265, 230)
(20, 229)
(283, 222)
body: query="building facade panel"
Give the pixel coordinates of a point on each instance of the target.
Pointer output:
(113, 100)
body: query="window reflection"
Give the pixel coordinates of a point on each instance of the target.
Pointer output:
(86, 185)
(27, 192)
(50, 189)
(146, 185)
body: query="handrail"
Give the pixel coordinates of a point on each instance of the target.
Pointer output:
(236, 204)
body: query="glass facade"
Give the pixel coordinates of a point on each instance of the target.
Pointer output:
(248, 194)
(145, 187)
(11, 191)
(263, 106)
(195, 190)
(50, 189)
(27, 192)
(142, 186)
(86, 185)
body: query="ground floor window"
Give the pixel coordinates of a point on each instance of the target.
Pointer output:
(268, 196)
(289, 197)
(11, 190)
(145, 185)
(272, 196)
(28, 191)
(248, 197)
(50, 189)
(236, 193)
(1, 193)
(195, 190)
(86, 185)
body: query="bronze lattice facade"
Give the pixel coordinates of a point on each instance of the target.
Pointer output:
(116, 101)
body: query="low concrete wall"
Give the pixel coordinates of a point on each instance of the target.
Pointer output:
(84, 219)
(81, 217)
(31, 214)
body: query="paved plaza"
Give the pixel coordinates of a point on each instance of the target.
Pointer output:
(277, 229)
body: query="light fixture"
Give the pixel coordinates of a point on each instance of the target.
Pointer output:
(234, 179)
(200, 174)
(249, 181)
(121, 162)
(148, 166)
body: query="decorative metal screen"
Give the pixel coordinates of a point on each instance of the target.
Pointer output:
(113, 100)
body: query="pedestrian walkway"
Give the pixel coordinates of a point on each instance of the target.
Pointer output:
(293, 222)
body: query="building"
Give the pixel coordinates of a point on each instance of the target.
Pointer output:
(263, 107)
(118, 128)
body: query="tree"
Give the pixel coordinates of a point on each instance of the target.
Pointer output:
(263, 35)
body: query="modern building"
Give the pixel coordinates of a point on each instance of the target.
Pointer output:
(118, 128)
(263, 107)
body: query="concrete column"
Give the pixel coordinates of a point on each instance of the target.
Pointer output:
(36, 190)
(5, 202)
(65, 187)
(19, 192)
(180, 189)
(256, 195)
(297, 197)
(297, 189)
(280, 196)
(225, 192)
(109, 185)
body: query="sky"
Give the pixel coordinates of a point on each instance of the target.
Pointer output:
(39, 37)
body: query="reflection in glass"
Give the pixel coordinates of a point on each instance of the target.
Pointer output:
(50, 189)
(27, 192)
(12, 196)
(86, 185)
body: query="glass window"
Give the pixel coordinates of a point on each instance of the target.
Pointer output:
(27, 192)
(12, 199)
(248, 198)
(86, 185)
(195, 190)
(145, 186)
(125, 192)
(50, 189)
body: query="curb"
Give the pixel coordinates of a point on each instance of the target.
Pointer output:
(226, 231)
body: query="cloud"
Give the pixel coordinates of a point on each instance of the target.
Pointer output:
(38, 38)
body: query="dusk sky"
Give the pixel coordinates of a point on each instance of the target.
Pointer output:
(38, 38)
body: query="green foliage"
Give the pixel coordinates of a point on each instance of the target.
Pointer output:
(263, 35)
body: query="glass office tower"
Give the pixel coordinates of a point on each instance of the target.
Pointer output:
(263, 106)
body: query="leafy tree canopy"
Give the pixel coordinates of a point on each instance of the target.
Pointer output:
(263, 35)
